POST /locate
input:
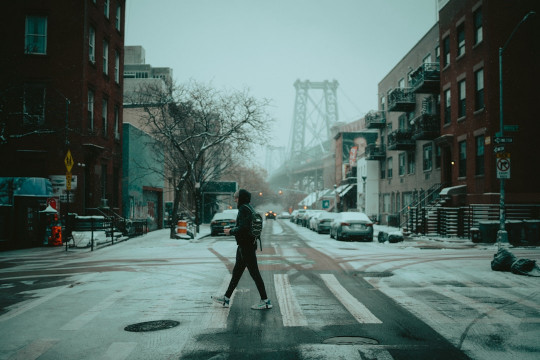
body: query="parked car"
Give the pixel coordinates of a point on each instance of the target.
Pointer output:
(298, 217)
(352, 226)
(321, 222)
(220, 221)
(293, 216)
(270, 215)
(284, 215)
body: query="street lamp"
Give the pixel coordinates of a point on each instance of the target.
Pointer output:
(502, 234)
(336, 200)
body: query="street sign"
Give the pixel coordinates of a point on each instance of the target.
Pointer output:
(503, 168)
(511, 127)
(68, 181)
(68, 161)
(504, 140)
(498, 149)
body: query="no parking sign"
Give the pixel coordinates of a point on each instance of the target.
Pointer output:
(503, 165)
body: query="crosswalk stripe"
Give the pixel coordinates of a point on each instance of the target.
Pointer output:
(356, 308)
(290, 309)
(34, 350)
(119, 350)
(87, 316)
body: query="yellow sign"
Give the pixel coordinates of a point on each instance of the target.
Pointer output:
(503, 155)
(68, 181)
(68, 161)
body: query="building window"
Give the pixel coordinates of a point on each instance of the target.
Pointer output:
(383, 169)
(447, 107)
(437, 157)
(383, 101)
(478, 28)
(35, 39)
(479, 90)
(427, 162)
(402, 164)
(462, 159)
(105, 57)
(34, 105)
(401, 83)
(106, 8)
(92, 44)
(104, 108)
(117, 20)
(386, 203)
(117, 67)
(389, 167)
(91, 109)
(411, 163)
(116, 123)
(446, 51)
(479, 155)
(438, 54)
(461, 40)
(462, 106)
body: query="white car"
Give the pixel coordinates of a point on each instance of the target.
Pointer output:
(352, 226)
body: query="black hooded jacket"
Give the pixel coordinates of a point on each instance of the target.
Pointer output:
(242, 230)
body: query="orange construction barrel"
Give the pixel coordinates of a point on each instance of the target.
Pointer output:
(181, 227)
(56, 236)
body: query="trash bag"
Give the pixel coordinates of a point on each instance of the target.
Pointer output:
(524, 267)
(502, 260)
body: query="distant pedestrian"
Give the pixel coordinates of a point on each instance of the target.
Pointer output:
(245, 253)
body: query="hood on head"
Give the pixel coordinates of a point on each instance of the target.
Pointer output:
(244, 197)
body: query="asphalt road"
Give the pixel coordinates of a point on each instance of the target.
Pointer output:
(77, 304)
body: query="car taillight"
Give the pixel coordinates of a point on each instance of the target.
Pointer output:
(345, 224)
(369, 224)
(233, 221)
(214, 223)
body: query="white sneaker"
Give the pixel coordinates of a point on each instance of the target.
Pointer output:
(221, 300)
(262, 305)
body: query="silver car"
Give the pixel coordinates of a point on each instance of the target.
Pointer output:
(351, 226)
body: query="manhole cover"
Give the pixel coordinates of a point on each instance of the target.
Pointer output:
(350, 340)
(152, 325)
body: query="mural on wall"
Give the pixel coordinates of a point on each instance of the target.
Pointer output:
(354, 145)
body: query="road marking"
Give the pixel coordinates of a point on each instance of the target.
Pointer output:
(119, 350)
(288, 304)
(87, 316)
(34, 350)
(33, 304)
(356, 308)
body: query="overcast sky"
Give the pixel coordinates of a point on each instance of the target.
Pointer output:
(266, 45)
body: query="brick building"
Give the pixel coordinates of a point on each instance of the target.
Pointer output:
(61, 89)
(471, 33)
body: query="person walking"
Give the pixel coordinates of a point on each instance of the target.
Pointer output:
(245, 253)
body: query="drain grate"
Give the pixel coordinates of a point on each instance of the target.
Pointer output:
(350, 340)
(152, 326)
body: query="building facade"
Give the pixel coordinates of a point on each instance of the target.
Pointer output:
(471, 33)
(61, 90)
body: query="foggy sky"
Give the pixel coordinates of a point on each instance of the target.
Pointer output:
(266, 45)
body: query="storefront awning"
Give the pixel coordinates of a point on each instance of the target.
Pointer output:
(346, 190)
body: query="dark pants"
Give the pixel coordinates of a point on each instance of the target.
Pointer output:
(246, 258)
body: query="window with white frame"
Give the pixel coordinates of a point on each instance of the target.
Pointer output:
(34, 104)
(461, 40)
(462, 108)
(117, 67)
(91, 110)
(479, 89)
(104, 118)
(427, 157)
(92, 44)
(116, 123)
(411, 163)
(105, 57)
(478, 27)
(389, 164)
(401, 83)
(118, 18)
(447, 106)
(106, 8)
(479, 160)
(462, 170)
(35, 40)
(383, 102)
(446, 51)
(401, 164)
(386, 203)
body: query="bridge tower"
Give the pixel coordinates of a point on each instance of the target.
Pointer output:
(313, 118)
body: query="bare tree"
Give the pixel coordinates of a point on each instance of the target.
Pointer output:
(198, 129)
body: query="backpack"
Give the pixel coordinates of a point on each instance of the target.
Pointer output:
(256, 225)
